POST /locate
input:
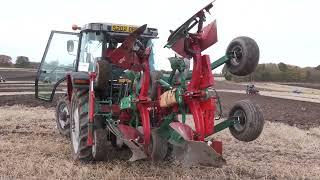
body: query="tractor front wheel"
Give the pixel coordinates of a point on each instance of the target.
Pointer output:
(244, 56)
(63, 116)
(250, 119)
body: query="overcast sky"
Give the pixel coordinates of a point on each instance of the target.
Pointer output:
(285, 30)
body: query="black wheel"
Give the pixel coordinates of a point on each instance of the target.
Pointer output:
(251, 121)
(244, 56)
(79, 126)
(158, 148)
(63, 116)
(79, 130)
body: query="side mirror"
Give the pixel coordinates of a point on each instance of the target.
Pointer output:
(70, 46)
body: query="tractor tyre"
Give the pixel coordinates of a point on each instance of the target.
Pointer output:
(63, 116)
(104, 74)
(251, 121)
(79, 126)
(158, 148)
(79, 130)
(244, 56)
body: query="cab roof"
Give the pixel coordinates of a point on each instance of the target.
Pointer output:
(119, 29)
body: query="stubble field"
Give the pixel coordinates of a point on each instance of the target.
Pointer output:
(31, 147)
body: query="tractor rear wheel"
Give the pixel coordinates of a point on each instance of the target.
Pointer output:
(79, 131)
(63, 116)
(244, 56)
(251, 121)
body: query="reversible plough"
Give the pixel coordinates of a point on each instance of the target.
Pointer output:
(116, 98)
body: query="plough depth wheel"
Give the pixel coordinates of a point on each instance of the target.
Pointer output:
(244, 56)
(251, 121)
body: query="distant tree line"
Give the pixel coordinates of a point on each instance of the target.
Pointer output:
(278, 73)
(21, 62)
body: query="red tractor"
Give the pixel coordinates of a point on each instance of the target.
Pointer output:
(116, 98)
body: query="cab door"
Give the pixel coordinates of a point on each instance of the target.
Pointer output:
(58, 59)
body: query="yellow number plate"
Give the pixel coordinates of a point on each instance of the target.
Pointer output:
(123, 28)
(124, 81)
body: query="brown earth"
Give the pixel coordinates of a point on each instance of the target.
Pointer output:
(307, 85)
(295, 113)
(292, 112)
(17, 89)
(228, 85)
(25, 100)
(18, 74)
(31, 148)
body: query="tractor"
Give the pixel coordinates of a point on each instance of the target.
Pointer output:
(114, 97)
(251, 89)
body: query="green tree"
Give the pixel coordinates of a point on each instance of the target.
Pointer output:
(22, 62)
(283, 67)
(308, 75)
(265, 76)
(5, 61)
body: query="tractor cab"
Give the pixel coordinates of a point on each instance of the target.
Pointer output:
(81, 52)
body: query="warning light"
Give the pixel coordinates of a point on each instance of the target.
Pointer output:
(75, 27)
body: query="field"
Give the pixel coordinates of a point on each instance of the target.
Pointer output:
(308, 85)
(31, 147)
(18, 74)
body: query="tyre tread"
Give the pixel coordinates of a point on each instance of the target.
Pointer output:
(254, 124)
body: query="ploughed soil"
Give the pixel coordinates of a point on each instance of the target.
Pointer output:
(18, 74)
(229, 85)
(291, 112)
(25, 100)
(295, 113)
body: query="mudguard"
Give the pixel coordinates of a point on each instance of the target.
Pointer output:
(79, 76)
